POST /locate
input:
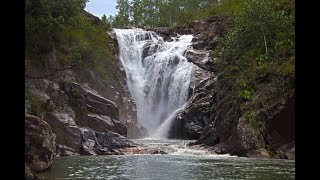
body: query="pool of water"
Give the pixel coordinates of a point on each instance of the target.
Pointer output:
(181, 162)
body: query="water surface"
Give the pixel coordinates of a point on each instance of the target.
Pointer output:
(182, 162)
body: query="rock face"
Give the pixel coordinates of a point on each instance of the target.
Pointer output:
(82, 119)
(190, 123)
(205, 31)
(72, 111)
(228, 131)
(39, 145)
(113, 87)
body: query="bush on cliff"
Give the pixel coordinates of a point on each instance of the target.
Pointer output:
(256, 65)
(64, 26)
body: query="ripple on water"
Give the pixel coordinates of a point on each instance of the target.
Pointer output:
(169, 166)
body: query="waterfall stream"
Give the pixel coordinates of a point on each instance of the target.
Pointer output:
(158, 76)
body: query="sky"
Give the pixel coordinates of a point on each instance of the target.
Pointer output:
(100, 7)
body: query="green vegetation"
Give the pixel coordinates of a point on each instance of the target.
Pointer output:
(44, 21)
(64, 27)
(36, 106)
(158, 13)
(256, 65)
(75, 98)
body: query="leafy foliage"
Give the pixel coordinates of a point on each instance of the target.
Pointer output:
(256, 58)
(65, 27)
(44, 21)
(157, 13)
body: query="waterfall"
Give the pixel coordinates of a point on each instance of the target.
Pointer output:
(158, 76)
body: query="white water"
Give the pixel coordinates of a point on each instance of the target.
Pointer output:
(159, 80)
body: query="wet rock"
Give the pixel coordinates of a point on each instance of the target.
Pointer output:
(287, 151)
(246, 138)
(39, 144)
(113, 140)
(105, 123)
(149, 49)
(88, 143)
(259, 153)
(116, 152)
(190, 123)
(199, 58)
(205, 31)
(63, 124)
(28, 174)
(222, 148)
(158, 152)
(136, 150)
(62, 150)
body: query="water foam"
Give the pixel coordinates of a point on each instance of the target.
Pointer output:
(158, 76)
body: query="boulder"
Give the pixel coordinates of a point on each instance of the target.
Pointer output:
(158, 152)
(88, 144)
(63, 124)
(113, 140)
(286, 151)
(39, 144)
(200, 58)
(259, 153)
(28, 174)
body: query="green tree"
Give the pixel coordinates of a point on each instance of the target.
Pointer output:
(122, 19)
(44, 21)
(257, 59)
(105, 21)
(259, 27)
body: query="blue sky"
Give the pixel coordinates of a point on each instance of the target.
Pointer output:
(100, 7)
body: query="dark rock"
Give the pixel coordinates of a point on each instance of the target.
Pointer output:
(28, 174)
(96, 101)
(287, 151)
(39, 144)
(88, 142)
(199, 45)
(158, 152)
(205, 31)
(281, 118)
(63, 124)
(62, 150)
(113, 140)
(246, 138)
(190, 123)
(116, 152)
(228, 127)
(104, 123)
(222, 148)
(149, 49)
(259, 153)
(199, 58)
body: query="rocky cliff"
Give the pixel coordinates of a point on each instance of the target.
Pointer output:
(218, 122)
(75, 111)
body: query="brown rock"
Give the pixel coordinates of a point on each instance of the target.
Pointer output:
(39, 144)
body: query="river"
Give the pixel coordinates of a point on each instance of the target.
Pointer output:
(181, 162)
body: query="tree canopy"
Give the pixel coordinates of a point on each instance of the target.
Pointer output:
(155, 13)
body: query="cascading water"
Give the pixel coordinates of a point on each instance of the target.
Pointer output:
(158, 76)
